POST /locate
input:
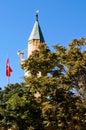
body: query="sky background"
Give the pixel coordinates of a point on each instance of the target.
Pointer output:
(60, 21)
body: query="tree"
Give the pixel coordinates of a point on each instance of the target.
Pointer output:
(46, 102)
(64, 68)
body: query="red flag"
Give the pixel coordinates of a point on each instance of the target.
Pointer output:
(8, 68)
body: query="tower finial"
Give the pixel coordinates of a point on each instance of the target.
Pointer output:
(37, 15)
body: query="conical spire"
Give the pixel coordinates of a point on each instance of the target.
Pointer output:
(36, 33)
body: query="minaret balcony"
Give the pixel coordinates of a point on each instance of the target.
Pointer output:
(22, 62)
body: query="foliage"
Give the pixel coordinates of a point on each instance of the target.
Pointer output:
(47, 102)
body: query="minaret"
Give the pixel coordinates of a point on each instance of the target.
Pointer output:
(36, 37)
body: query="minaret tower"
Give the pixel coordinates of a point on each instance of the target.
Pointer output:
(36, 37)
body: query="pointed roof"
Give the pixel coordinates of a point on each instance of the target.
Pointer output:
(36, 33)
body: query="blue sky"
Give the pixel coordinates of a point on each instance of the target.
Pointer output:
(60, 21)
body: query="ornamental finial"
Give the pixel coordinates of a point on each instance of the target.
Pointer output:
(37, 15)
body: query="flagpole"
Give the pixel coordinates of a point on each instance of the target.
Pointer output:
(8, 78)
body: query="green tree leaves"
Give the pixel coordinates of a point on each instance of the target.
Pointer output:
(44, 100)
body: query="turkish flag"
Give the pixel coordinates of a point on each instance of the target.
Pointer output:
(8, 68)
